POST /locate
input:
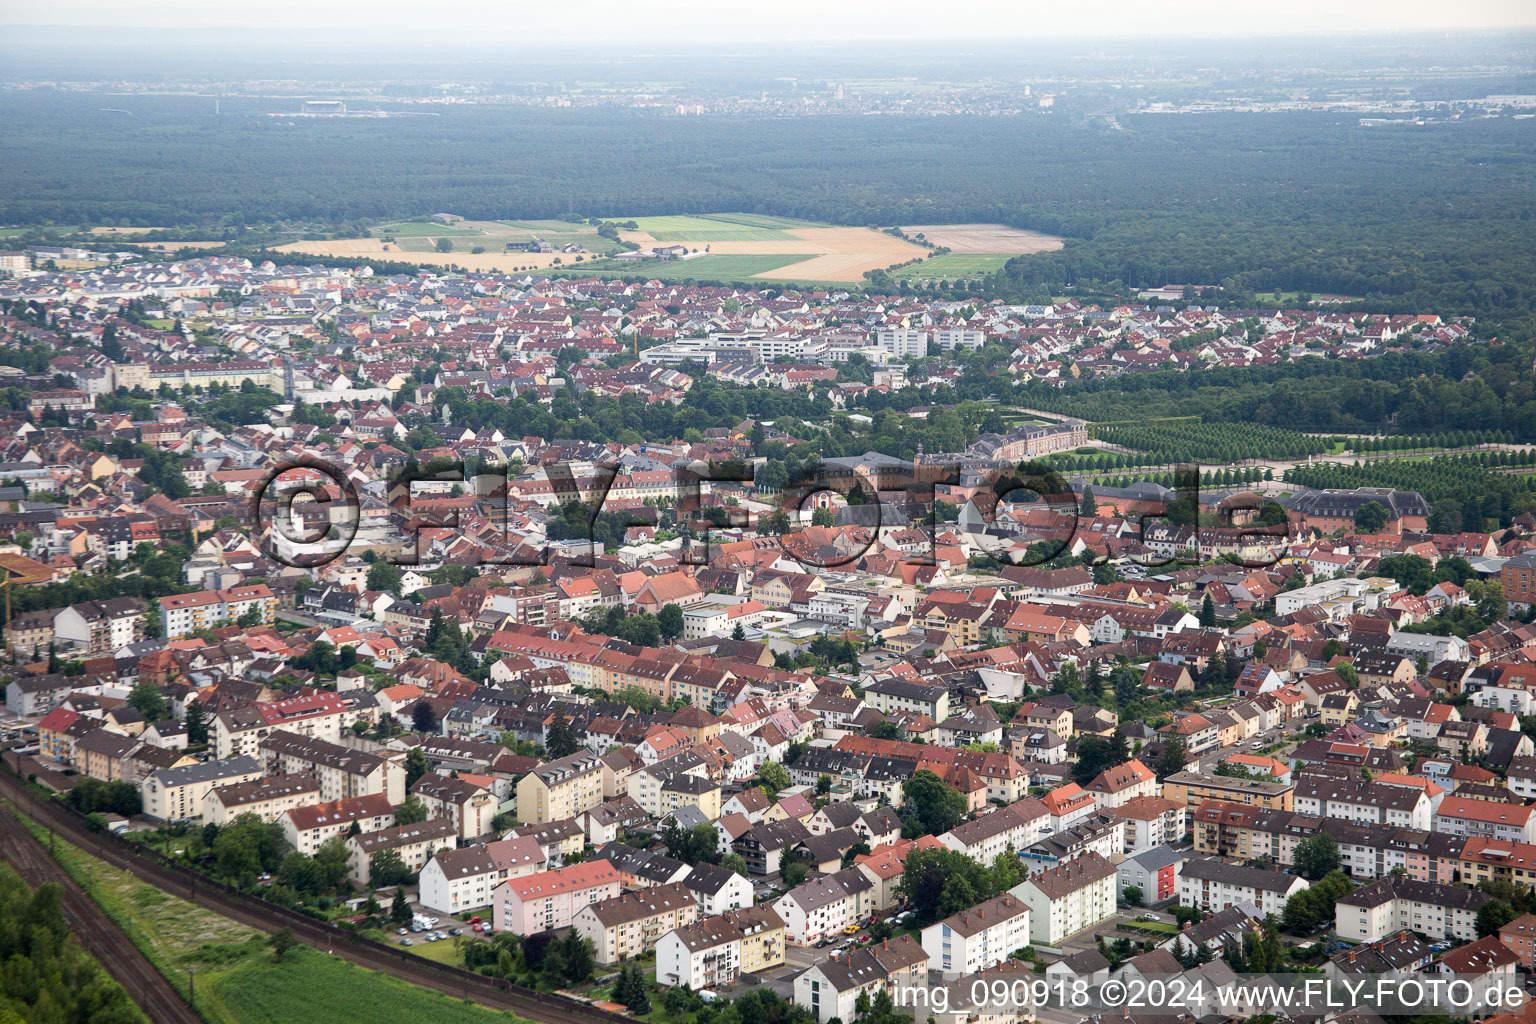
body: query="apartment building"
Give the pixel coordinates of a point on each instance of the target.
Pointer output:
(1464, 816)
(716, 951)
(268, 798)
(1440, 912)
(1193, 788)
(550, 899)
(1150, 822)
(563, 788)
(341, 771)
(176, 794)
(313, 716)
(822, 907)
(976, 939)
(831, 988)
(1212, 884)
(630, 924)
(307, 828)
(414, 844)
(1068, 898)
(181, 614)
(463, 801)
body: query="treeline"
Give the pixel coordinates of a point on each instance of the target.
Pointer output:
(1193, 441)
(1464, 388)
(46, 978)
(1305, 202)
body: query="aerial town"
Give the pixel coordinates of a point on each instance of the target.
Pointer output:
(694, 709)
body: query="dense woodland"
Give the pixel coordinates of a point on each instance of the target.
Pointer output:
(1432, 217)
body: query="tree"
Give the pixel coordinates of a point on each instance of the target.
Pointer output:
(385, 868)
(637, 999)
(794, 873)
(559, 741)
(934, 806)
(416, 765)
(670, 620)
(1095, 753)
(739, 633)
(444, 245)
(196, 721)
(399, 908)
(1370, 517)
(579, 957)
(1133, 895)
(1207, 611)
(774, 778)
(422, 718)
(1090, 507)
(250, 618)
(147, 700)
(281, 942)
(1172, 758)
(1316, 856)
(1494, 915)
(737, 863)
(384, 577)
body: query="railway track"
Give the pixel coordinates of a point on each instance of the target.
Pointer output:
(95, 932)
(149, 866)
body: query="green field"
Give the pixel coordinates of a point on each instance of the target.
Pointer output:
(955, 264)
(684, 228)
(422, 229)
(237, 981)
(762, 220)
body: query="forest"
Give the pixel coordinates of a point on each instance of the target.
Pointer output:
(1438, 218)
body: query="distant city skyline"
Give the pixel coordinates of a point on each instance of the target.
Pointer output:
(606, 22)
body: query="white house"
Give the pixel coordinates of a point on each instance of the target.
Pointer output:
(976, 939)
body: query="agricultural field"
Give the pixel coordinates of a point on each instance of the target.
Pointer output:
(955, 264)
(985, 238)
(416, 242)
(729, 247)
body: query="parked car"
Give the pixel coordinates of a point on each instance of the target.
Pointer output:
(851, 929)
(403, 931)
(406, 941)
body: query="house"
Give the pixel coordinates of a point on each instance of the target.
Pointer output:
(831, 988)
(1068, 898)
(550, 899)
(630, 924)
(1153, 872)
(1212, 884)
(764, 847)
(1395, 957)
(457, 881)
(1115, 786)
(976, 939)
(1482, 972)
(717, 889)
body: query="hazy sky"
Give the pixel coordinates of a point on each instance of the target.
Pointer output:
(641, 23)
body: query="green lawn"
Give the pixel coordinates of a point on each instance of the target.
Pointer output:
(237, 981)
(955, 264)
